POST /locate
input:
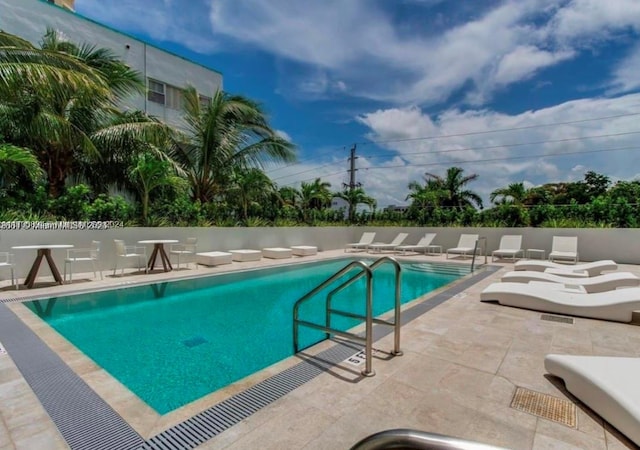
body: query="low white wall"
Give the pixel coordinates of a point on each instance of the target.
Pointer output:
(621, 245)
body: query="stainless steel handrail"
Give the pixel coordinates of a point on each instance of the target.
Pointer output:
(397, 304)
(417, 440)
(368, 371)
(475, 250)
(368, 318)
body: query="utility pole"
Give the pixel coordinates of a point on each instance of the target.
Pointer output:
(352, 181)
(352, 171)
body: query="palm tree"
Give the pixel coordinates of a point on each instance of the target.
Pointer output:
(228, 134)
(250, 188)
(54, 100)
(13, 158)
(424, 196)
(453, 186)
(515, 194)
(148, 174)
(355, 197)
(316, 195)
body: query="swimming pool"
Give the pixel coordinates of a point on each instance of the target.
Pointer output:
(174, 342)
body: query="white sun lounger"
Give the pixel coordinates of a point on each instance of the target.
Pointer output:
(599, 283)
(466, 245)
(617, 305)
(564, 248)
(591, 268)
(423, 244)
(606, 384)
(366, 239)
(380, 246)
(510, 246)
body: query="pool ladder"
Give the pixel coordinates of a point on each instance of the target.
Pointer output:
(365, 271)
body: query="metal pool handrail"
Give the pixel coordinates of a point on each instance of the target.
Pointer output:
(366, 271)
(417, 440)
(396, 320)
(475, 250)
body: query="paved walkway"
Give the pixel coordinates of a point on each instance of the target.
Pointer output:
(462, 363)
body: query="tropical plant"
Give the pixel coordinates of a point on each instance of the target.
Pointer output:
(249, 189)
(355, 197)
(13, 159)
(453, 187)
(514, 194)
(229, 133)
(148, 174)
(55, 99)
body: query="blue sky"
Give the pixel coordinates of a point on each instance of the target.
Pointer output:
(532, 91)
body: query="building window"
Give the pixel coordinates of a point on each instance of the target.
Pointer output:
(174, 97)
(156, 92)
(205, 101)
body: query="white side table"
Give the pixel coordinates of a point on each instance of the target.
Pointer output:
(535, 251)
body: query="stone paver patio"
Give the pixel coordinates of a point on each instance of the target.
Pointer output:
(461, 365)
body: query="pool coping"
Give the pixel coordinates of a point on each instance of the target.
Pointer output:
(200, 427)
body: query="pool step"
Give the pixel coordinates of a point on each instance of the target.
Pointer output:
(440, 268)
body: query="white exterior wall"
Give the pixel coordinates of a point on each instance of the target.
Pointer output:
(621, 245)
(29, 19)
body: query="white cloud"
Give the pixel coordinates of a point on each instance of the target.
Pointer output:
(284, 135)
(626, 76)
(524, 61)
(471, 140)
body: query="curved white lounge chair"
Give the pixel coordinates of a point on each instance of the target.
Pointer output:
(466, 245)
(423, 244)
(366, 239)
(606, 384)
(592, 268)
(380, 246)
(599, 283)
(617, 305)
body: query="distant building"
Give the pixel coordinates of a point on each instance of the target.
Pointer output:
(396, 208)
(166, 74)
(338, 204)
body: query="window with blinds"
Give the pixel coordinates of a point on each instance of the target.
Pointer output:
(156, 92)
(174, 97)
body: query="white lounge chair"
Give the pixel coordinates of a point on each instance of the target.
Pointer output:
(466, 245)
(606, 384)
(564, 248)
(380, 246)
(423, 244)
(510, 246)
(366, 239)
(590, 269)
(599, 283)
(617, 305)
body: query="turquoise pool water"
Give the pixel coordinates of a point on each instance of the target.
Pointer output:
(174, 342)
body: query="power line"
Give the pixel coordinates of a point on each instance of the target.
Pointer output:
(500, 130)
(475, 161)
(520, 144)
(311, 170)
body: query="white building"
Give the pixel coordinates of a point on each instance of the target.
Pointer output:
(166, 74)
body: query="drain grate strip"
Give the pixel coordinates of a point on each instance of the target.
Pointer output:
(552, 318)
(544, 405)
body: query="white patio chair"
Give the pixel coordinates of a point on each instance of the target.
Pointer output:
(590, 269)
(130, 251)
(363, 244)
(423, 244)
(185, 251)
(6, 260)
(466, 245)
(510, 246)
(380, 246)
(564, 248)
(75, 255)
